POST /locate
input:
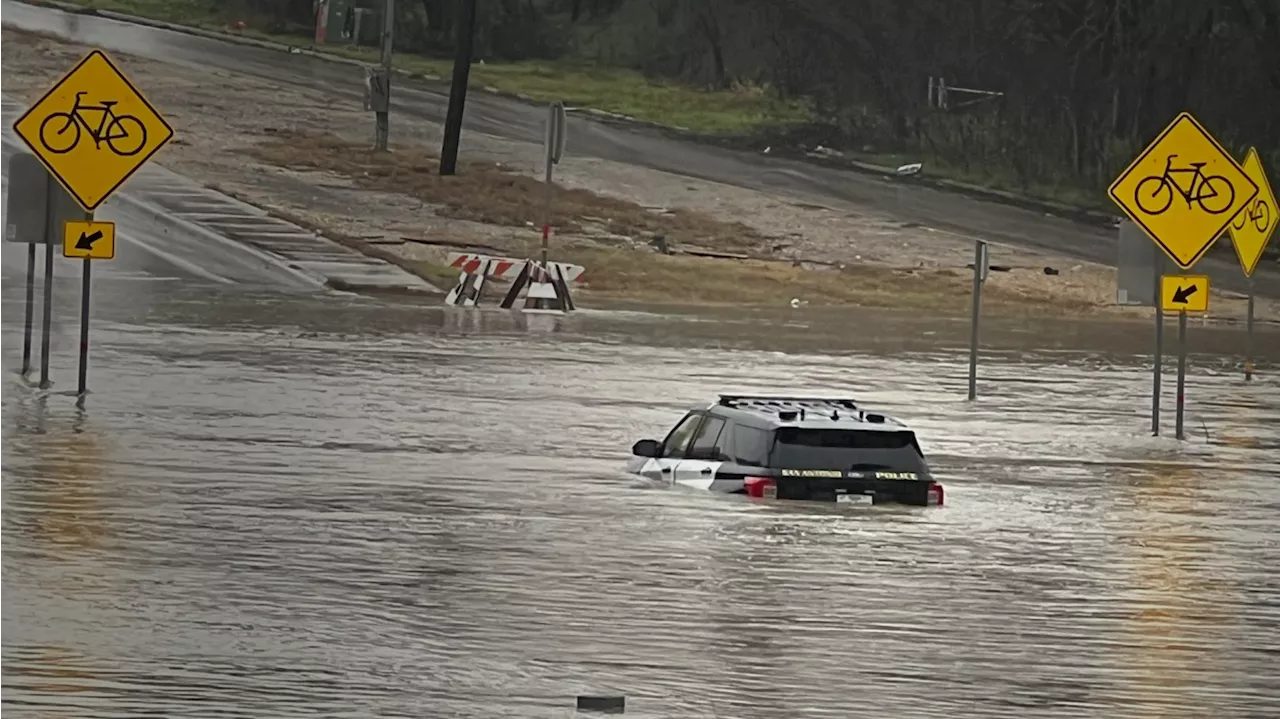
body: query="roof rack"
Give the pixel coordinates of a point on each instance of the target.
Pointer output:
(786, 402)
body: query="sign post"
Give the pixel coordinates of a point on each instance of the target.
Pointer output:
(1183, 190)
(35, 208)
(553, 144)
(1248, 337)
(546, 289)
(87, 241)
(46, 327)
(1183, 294)
(1251, 229)
(92, 130)
(1159, 362)
(980, 269)
(29, 320)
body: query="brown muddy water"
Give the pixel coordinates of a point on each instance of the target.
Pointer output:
(282, 506)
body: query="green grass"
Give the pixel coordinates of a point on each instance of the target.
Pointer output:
(616, 90)
(184, 12)
(1066, 195)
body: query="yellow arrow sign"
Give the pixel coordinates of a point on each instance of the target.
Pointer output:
(1184, 293)
(1183, 190)
(89, 240)
(93, 130)
(1252, 227)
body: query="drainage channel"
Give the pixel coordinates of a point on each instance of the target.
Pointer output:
(301, 248)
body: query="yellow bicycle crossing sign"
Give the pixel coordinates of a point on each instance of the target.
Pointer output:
(1253, 226)
(93, 130)
(1183, 190)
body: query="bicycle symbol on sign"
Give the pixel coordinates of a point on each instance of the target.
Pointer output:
(124, 135)
(1258, 212)
(1154, 194)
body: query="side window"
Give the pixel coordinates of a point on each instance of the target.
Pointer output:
(676, 442)
(751, 446)
(707, 438)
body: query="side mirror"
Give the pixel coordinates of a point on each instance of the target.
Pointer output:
(647, 448)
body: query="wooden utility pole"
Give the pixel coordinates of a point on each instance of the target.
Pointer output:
(458, 89)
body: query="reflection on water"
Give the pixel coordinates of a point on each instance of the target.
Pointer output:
(279, 507)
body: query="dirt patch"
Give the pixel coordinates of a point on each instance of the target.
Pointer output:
(614, 239)
(491, 193)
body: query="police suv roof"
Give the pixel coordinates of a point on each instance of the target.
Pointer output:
(771, 412)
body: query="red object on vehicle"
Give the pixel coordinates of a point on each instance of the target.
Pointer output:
(937, 495)
(763, 487)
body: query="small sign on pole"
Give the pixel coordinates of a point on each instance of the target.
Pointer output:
(1184, 293)
(554, 137)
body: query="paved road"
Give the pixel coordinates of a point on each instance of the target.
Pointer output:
(515, 120)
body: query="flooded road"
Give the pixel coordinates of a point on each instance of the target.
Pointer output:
(278, 505)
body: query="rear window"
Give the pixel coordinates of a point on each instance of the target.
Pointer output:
(797, 448)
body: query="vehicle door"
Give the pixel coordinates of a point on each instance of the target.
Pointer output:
(674, 447)
(703, 457)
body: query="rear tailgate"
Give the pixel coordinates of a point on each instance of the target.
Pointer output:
(866, 487)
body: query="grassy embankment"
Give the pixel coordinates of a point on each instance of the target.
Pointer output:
(746, 115)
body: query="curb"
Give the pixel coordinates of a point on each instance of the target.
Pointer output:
(1082, 215)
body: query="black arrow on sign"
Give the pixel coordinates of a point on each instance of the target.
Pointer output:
(1182, 294)
(86, 241)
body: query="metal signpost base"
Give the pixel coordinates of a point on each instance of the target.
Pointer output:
(1156, 373)
(1182, 372)
(47, 321)
(29, 320)
(82, 387)
(1248, 338)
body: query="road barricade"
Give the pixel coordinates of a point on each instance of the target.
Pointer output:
(544, 289)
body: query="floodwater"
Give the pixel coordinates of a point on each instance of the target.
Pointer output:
(327, 506)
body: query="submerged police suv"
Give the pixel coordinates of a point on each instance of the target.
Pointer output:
(792, 448)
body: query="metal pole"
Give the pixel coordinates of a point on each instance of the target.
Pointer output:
(47, 323)
(979, 260)
(1157, 372)
(546, 209)
(1182, 370)
(383, 135)
(1158, 367)
(83, 387)
(1248, 338)
(31, 310)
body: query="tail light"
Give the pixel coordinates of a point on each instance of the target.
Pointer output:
(763, 487)
(936, 495)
